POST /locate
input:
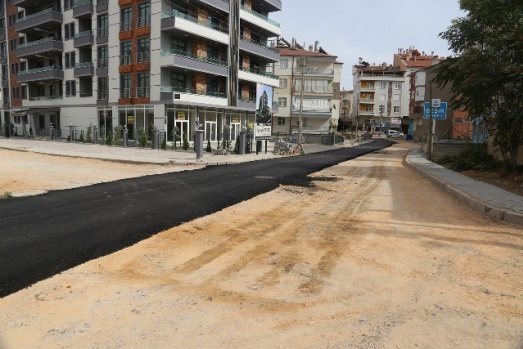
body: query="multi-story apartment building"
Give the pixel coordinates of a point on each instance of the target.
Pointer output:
(321, 89)
(381, 92)
(136, 63)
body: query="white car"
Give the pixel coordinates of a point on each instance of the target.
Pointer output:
(394, 134)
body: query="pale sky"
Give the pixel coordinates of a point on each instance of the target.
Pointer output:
(371, 29)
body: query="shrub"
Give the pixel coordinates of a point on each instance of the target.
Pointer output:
(82, 136)
(89, 134)
(6, 195)
(109, 138)
(185, 143)
(164, 143)
(118, 135)
(143, 138)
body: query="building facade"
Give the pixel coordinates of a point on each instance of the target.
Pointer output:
(136, 64)
(320, 73)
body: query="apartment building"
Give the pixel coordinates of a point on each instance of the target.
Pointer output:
(71, 64)
(381, 92)
(321, 73)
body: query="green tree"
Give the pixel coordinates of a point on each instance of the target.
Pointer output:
(486, 70)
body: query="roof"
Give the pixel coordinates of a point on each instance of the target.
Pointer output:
(284, 51)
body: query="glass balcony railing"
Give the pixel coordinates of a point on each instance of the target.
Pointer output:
(195, 92)
(83, 65)
(78, 3)
(259, 72)
(193, 56)
(84, 33)
(37, 42)
(39, 70)
(37, 14)
(209, 23)
(259, 15)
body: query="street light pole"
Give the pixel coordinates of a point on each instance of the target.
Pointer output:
(382, 109)
(303, 64)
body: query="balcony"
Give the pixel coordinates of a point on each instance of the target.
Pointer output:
(3, 58)
(176, 21)
(85, 38)
(102, 6)
(83, 69)
(48, 18)
(46, 45)
(260, 20)
(101, 67)
(2, 34)
(366, 100)
(258, 76)
(219, 4)
(45, 98)
(83, 8)
(191, 61)
(259, 49)
(102, 35)
(193, 96)
(142, 92)
(275, 4)
(41, 74)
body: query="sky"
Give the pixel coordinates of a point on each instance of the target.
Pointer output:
(371, 29)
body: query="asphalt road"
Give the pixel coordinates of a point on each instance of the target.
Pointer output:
(43, 235)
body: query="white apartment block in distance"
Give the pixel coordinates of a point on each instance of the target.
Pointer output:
(321, 89)
(135, 63)
(381, 92)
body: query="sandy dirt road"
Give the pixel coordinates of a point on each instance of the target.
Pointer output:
(371, 256)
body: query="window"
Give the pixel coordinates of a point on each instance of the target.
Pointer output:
(383, 85)
(212, 87)
(177, 45)
(282, 101)
(397, 85)
(126, 52)
(126, 19)
(70, 88)
(283, 83)
(212, 53)
(144, 14)
(369, 108)
(13, 44)
(70, 59)
(103, 56)
(381, 98)
(69, 31)
(281, 121)
(103, 26)
(24, 92)
(177, 82)
(143, 50)
(143, 85)
(396, 109)
(284, 63)
(458, 120)
(103, 87)
(396, 97)
(125, 86)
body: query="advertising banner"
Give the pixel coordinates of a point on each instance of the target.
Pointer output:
(263, 103)
(262, 132)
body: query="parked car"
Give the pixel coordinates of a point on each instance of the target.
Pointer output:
(394, 134)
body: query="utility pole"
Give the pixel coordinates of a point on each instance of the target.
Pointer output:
(382, 109)
(429, 145)
(303, 64)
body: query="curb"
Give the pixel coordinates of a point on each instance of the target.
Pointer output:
(471, 201)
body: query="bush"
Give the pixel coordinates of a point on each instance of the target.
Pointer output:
(6, 195)
(89, 134)
(143, 138)
(118, 135)
(185, 142)
(109, 138)
(82, 136)
(208, 149)
(474, 158)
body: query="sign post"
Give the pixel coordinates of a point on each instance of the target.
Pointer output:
(434, 110)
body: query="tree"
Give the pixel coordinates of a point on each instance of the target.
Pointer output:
(486, 70)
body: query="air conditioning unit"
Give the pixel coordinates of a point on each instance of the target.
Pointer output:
(176, 96)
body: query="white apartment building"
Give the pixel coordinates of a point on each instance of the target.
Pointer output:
(135, 63)
(321, 89)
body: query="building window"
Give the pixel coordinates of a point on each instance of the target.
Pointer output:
(284, 63)
(103, 56)
(383, 85)
(369, 108)
(24, 92)
(396, 109)
(381, 98)
(126, 19)
(282, 101)
(143, 85)
(281, 121)
(283, 83)
(69, 31)
(144, 14)
(103, 26)
(103, 87)
(178, 45)
(143, 50)
(70, 88)
(125, 86)
(396, 97)
(70, 59)
(126, 52)
(177, 82)
(397, 85)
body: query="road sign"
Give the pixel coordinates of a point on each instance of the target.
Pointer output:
(437, 113)
(436, 103)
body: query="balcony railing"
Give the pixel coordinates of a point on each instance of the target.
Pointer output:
(103, 94)
(84, 33)
(193, 56)
(37, 42)
(45, 98)
(83, 65)
(101, 2)
(126, 60)
(259, 72)
(39, 70)
(206, 23)
(143, 22)
(37, 14)
(259, 15)
(142, 57)
(196, 92)
(125, 93)
(78, 3)
(125, 26)
(142, 92)
(102, 63)
(101, 32)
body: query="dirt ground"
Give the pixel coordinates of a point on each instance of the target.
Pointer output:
(372, 256)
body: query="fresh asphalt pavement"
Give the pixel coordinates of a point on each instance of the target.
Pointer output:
(43, 235)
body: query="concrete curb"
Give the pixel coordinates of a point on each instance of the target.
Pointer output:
(468, 199)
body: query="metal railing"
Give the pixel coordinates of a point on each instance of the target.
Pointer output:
(45, 98)
(196, 92)
(103, 94)
(125, 93)
(83, 65)
(40, 70)
(84, 33)
(142, 92)
(101, 2)
(125, 26)
(86, 94)
(102, 63)
(142, 57)
(103, 31)
(259, 72)
(143, 22)
(126, 60)
(193, 56)
(205, 23)
(37, 14)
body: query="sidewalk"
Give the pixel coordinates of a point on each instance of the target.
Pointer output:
(143, 156)
(483, 197)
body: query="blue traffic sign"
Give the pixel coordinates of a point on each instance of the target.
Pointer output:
(437, 113)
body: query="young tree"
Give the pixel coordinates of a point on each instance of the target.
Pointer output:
(486, 70)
